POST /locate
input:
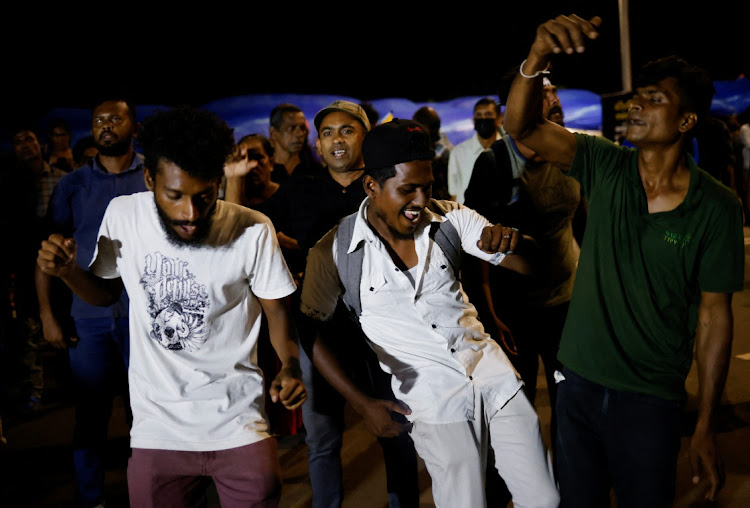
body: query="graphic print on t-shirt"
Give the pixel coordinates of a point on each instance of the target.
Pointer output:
(177, 303)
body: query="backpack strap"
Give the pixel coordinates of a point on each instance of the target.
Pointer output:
(348, 265)
(446, 236)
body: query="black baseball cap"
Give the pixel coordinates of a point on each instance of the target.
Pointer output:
(396, 142)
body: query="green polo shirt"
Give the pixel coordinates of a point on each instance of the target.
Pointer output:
(632, 319)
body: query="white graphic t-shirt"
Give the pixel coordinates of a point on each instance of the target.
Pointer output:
(194, 378)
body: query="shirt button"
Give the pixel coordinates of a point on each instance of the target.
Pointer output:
(372, 289)
(396, 269)
(453, 350)
(471, 378)
(434, 325)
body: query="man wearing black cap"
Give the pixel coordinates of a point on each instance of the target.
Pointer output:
(315, 205)
(455, 386)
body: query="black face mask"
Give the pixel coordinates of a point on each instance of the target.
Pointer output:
(485, 127)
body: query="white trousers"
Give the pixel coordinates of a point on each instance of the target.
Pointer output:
(456, 455)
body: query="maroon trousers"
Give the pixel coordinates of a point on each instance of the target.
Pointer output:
(245, 476)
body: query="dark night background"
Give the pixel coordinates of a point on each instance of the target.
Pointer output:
(195, 56)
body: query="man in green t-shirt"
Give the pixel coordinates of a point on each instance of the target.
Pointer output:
(662, 254)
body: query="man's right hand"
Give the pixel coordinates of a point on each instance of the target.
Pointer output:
(564, 34)
(57, 257)
(377, 415)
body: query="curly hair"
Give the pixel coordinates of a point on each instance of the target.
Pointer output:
(694, 85)
(196, 140)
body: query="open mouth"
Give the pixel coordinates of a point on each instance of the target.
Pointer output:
(412, 215)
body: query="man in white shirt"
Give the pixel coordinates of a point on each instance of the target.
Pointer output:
(454, 385)
(199, 271)
(488, 121)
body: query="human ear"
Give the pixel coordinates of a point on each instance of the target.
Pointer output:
(147, 178)
(688, 122)
(370, 185)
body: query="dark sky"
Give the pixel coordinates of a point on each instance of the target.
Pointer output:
(196, 57)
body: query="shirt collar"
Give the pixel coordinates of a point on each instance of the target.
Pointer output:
(362, 231)
(694, 189)
(692, 198)
(135, 164)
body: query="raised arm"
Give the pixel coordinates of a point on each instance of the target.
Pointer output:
(713, 346)
(235, 172)
(523, 114)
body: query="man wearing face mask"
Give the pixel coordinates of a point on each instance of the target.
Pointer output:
(512, 185)
(488, 120)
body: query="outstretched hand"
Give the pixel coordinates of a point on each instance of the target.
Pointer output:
(567, 34)
(57, 257)
(239, 165)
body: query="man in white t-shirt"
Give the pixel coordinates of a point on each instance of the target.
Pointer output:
(199, 271)
(454, 384)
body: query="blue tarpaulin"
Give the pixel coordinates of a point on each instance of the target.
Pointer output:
(249, 113)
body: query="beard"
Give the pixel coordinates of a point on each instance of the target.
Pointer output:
(119, 147)
(556, 110)
(203, 227)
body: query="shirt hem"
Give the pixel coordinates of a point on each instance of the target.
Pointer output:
(279, 293)
(207, 446)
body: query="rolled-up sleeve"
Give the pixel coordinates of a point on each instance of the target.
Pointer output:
(321, 287)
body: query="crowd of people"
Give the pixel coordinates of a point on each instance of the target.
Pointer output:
(233, 291)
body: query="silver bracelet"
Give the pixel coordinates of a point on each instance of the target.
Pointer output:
(537, 73)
